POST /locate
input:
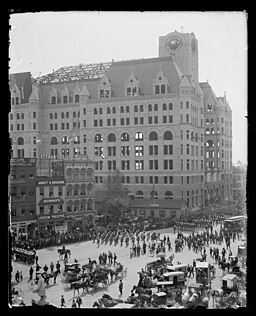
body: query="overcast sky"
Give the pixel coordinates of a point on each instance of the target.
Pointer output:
(41, 42)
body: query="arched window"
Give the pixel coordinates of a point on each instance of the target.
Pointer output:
(139, 195)
(168, 195)
(64, 140)
(100, 110)
(153, 136)
(127, 109)
(20, 141)
(207, 122)
(108, 110)
(168, 135)
(76, 187)
(121, 109)
(76, 173)
(74, 114)
(125, 137)
(18, 116)
(170, 106)
(69, 206)
(114, 110)
(98, 138)
(111, 137)
(135, 108)
(139, 136)
(196, 136)
(22, 116)
(69, 190)
(82, 174)
(54, 141)
(69, 173)
(155, 107)
(210, 143)
(150, 107)
(82, 191)
(95, 111)
(153, 195)
(76, 206)
(141, 108)
(192, 136)
(164, 106)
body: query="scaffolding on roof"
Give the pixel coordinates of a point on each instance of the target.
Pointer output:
(75, 73)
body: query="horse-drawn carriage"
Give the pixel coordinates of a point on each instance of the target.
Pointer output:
(178, 245)
(118, 271)
(203, 272)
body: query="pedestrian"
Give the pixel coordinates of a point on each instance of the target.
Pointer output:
(58, 267)
(31, 271)
(36, 258)
(121, 287)
(62, 301)
(73, 304)
(52, 267)
(115, 257)
(45, 268)
(17, 277)
(21, 276)
(194, 265)
(79, 301)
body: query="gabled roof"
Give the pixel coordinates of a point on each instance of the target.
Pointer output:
(84, 91)
(77, 89)
(185, 83)
(65, 90)
(157, 203)
(132, 77)
(160, 74)
(34, 94)
(53, 90)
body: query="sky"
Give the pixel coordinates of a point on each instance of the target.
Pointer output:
(46, 41)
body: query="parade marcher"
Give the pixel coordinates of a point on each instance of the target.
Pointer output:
(21, 276)
(45, 268)
(62, 301)
(36, 258)
(79, 301)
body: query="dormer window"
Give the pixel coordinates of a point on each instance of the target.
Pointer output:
(53, 100)
(131, 85)
(76, 98)
(104, 88)
(160, 83)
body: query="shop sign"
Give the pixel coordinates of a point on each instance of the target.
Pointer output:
(52, 216)
(154, 205)
(23, 162)
(49, 200)
(51, 182)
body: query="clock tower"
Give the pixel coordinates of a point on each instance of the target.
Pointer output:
(183, 49)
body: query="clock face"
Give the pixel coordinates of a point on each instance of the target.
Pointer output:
(174, 43)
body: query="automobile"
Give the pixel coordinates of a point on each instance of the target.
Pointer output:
(229, 283)
(178, 267)
(176, 277)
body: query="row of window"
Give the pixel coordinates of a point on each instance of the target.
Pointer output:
(75, 115)
(21, 116)
(137, 120)
(136, 108)
(226, 143)
(21, 210)
(21, 127)
(22, 191)
(21, 176)
(212, 121)
(65, 99)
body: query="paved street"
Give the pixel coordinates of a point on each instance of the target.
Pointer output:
(84, 250)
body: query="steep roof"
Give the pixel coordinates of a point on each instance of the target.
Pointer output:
(24, 84)
(145, 71)
(159, 203)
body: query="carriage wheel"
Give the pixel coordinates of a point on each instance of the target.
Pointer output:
(31, 284)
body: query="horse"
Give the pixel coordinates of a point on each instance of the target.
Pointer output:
(80, 285)
(48, 276)
(62, 252)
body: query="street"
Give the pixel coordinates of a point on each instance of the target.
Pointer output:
(82, 251)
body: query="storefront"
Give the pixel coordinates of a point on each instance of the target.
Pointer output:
(23, 230)
(51, 222)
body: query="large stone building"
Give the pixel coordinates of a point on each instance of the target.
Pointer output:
(239, 182)
(146, 117)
